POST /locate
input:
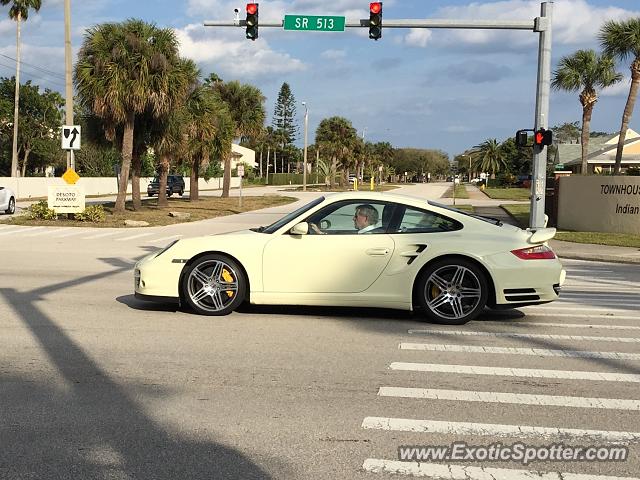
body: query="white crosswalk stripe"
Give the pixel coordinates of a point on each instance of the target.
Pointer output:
(577, 338)
(495, 430)
(602, 326)
(513, 398)
(463, 472)
(515, 372)
(536, 352)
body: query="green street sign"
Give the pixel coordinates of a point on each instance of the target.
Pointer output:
(313, 22)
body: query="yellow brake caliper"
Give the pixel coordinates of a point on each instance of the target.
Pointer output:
(229, 279)
(435, 291)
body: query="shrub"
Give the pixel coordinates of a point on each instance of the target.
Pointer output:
(93, 213)
(633, 172)
(41, 211)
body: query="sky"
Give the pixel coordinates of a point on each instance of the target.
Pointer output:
(443, 89)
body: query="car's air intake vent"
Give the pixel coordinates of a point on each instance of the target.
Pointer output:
(521, 298)
(413, 255)
(508, 291)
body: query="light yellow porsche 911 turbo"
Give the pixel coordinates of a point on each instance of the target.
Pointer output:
(361, 249)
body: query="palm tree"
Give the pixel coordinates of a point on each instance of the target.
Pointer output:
(337, 137)
(489, 157)
(123, 71)
(19, 11)
(587, 71)
(622, 40)
(246, 105)
(210, 130)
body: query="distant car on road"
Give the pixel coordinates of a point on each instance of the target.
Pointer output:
(413, 254)
(175, 184)
(7, 201)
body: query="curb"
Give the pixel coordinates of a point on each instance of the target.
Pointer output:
(598, 258)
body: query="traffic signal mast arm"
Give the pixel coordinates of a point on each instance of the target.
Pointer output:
(400, 23)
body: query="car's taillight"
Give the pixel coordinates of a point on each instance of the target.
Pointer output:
(539, 252)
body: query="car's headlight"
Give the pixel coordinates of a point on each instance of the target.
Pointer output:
(167, 248)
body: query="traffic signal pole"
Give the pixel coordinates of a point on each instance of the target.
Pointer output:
(539, 174)
(541, 25)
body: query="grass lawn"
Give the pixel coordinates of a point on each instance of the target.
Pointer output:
(464, 208)
(521, 213)
(508, 193)
(461, 192)
(206, 207)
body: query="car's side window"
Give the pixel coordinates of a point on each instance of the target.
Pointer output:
(348, 218)
(423, 221)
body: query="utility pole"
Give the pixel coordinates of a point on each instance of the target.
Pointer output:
(304, 163)
(67, 74)
(16, 118)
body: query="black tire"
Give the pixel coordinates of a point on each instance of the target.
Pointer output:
(181, 192)
(11, 208)
(149, 194)
(204, 281)
(170, 192)
(452, 291)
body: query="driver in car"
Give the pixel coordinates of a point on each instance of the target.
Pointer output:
(365, 219)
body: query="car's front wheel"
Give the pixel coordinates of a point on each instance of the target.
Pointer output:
(213, 285)
(11, 208)
(452, 291)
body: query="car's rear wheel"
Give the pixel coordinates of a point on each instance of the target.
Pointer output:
(452, 291)
(170, 192)
(181, 192)
(214, 285)
(11, 208)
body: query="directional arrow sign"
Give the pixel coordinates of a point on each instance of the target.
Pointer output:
(71, 137)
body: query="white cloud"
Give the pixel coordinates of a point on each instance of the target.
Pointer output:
(334, 54)
(619, 89)
(418, 37)
(574, 22)
(235, 56)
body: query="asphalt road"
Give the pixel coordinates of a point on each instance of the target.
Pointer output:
(95, 384)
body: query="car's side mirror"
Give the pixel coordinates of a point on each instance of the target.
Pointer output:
(300, 229)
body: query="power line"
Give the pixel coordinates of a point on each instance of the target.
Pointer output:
(37, 74)
(50, 72)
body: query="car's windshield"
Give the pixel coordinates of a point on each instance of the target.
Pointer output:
(286, 219)
(494, 221)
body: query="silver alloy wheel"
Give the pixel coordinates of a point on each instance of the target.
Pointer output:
(452, 292)
(212, 285)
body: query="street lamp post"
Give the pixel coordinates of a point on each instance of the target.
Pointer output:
(304, 162)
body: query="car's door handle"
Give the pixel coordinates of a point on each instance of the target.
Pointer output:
(378, 252)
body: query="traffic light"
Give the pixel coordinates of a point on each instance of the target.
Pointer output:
(543, 137)
(252, 21)
(522, 137)
(375, 20)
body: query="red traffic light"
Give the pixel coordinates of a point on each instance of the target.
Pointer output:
(375, 7)
(252, 8)
(539, 138)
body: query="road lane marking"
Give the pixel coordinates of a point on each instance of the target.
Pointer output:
(577, 338)
(76, 232)
(464, 472)
(164, 238)
(536, 352)
(515, 372)
(494, 429)
(575, 325)
(21, 230)
(575, 309)
(510, 398)
(140, 235)
(101, 235)
(48, 231)
(591, 317)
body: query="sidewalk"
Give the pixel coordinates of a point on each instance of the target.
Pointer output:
(572, 250)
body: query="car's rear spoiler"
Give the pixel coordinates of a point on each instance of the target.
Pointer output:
(541, 235)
